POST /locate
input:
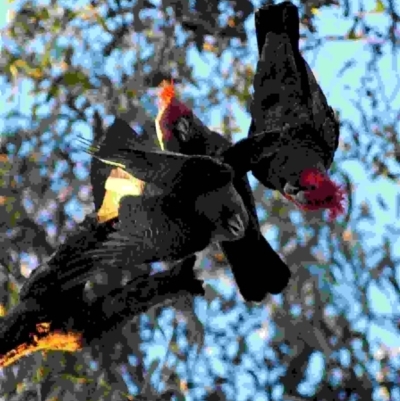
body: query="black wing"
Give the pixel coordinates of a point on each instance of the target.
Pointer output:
(167, 170)
(68, 267)
(99, 171)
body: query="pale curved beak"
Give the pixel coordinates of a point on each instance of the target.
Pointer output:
(301, 198)
(290, 189)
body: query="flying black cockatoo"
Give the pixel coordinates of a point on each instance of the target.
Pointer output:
(257, 268)
(195, 202)
(286, 92)
(153, 228)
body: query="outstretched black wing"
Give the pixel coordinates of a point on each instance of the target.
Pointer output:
(167, 170)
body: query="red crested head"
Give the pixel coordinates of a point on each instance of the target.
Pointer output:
(170, 110)
(324, 193)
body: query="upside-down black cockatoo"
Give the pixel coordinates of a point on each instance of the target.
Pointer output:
(286, 92)
(257, 268)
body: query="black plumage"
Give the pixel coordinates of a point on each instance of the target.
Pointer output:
(286, 92)
(193, 203)
(257, 268)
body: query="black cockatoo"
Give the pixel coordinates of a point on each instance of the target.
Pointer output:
(257, 268)
(195, 202)
(286, 92)
(153, 228)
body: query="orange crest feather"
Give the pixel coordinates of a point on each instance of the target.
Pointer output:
(167, 93)
(170, 110)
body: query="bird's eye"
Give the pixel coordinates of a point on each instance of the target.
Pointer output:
(182, 128)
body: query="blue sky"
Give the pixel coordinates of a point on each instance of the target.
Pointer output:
(330, 59)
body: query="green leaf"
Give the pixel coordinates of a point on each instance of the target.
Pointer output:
(70, 14)
(380, 7)
(13, 294)
(53, 92)
(57, 52)
(75, 78)
(102, 22)
(43, 14)
(45, 62)
(352, 35)
(57, 26)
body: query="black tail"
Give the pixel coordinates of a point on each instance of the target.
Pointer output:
(283, 18)
(279, 18)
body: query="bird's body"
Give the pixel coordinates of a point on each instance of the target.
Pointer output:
(286, 92)
(168, 228)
